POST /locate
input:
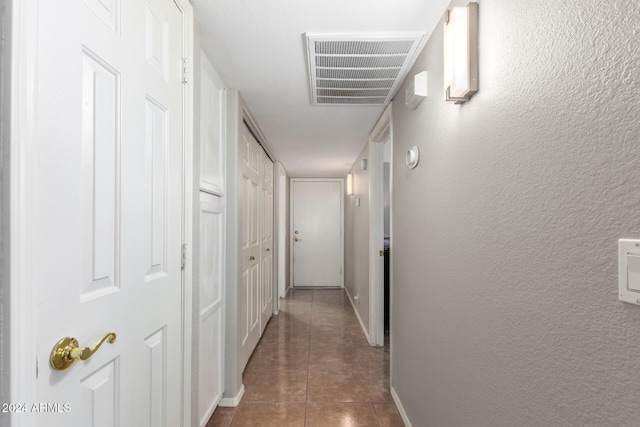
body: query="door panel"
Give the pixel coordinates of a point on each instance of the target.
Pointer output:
(98, 396)
(266, 242)
(107, 197)
(249, 292)
(212, 130)
(101, 192)
(211, 349)
(317, 233)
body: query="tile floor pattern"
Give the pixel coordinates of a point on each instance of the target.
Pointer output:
(313, 367)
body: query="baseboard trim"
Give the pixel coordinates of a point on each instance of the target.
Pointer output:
(364, 330)
(208, 414)
(403, 413)
(232, 402)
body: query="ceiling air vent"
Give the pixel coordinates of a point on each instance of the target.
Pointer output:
(359, 69)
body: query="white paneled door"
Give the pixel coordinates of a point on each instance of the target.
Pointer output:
(249, 292)
(105, 210)
(255, 296)
(266, 241)
(317, 232)
(211, 242)
(211, 349)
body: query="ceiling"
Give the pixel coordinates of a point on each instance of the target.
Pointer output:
(258, 47)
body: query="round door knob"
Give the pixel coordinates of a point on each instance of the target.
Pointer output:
(297, 240)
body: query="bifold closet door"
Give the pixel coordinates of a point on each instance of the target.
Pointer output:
(249, 292)
(266, 242)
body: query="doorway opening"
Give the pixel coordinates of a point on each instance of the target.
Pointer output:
(380, 228)
(386, 213)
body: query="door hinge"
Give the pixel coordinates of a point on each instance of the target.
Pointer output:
(185, 70)
(184, 256)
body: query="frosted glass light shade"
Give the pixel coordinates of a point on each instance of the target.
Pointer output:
(461, 53)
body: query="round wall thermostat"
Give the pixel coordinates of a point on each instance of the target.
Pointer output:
(413, 155)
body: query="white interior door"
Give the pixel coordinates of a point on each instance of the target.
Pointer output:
(317, 232)
(106, 210)
(211, 348)
(249, 292)
(266, 241)
(211, 240)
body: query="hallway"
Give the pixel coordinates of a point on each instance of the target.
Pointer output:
(314, 367)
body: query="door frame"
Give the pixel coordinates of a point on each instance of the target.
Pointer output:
(382, 132)
(291, 218)
(282, 232)
(22, 70)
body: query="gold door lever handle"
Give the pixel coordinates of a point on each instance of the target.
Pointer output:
(297, 239)
(67, 351)
(252, 258)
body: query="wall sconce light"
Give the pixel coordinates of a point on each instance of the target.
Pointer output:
(461, 53)
(350, 184)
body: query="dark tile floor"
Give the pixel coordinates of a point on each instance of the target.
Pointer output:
(314, 367)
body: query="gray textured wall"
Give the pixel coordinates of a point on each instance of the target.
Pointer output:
(356, 263)
(287, 236)
(505, 308)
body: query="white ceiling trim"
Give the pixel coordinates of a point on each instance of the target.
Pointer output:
(359, 69)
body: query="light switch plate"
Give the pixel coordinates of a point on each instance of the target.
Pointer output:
(629, 270)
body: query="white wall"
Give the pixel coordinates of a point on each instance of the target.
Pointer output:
(284, 239)
(357, 240)
(195, 251)
(5, 51)
(233, 373)
(505, 306)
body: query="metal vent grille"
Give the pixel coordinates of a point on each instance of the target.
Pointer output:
(359, 69)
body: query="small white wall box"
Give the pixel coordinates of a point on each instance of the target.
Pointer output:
(416, 91)
(629, 270)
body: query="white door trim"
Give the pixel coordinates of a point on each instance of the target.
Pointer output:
(380, 133)
(291, 181)
(188, 194)
(282, 231)
(24, 48)
(23, 171)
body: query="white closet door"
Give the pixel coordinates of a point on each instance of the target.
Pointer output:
(211, 308)
(249, 290)
(210, 381)
(266, 241)
(212, 129)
